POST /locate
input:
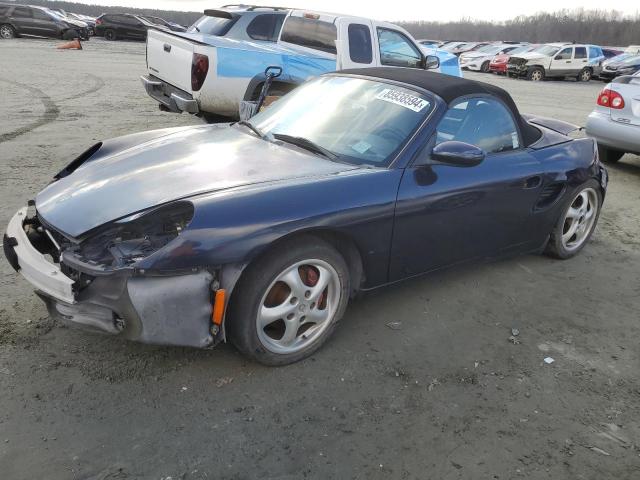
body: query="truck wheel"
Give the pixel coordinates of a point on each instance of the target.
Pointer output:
(109, 34)
(70, 34)
(7, 32)
(289, 302)
(484, 68)
(609, 155)
(585, 75)
(535, 74)
(577, 221)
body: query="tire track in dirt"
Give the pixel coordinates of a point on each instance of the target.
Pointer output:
(51, 112)
(98, 83)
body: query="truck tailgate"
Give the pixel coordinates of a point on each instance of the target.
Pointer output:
(169, 58)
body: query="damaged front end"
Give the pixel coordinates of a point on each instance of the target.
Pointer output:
(95, 281)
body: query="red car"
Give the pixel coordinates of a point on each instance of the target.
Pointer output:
(499, 63)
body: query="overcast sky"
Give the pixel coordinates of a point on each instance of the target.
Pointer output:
(402, 9)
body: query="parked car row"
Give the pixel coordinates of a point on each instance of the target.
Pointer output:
(537, 62)
(26, 20)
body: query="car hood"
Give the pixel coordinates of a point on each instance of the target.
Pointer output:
(177, 163)
(531, 56)
(472, 55)
(75, 23)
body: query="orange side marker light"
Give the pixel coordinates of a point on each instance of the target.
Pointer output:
(218, 306)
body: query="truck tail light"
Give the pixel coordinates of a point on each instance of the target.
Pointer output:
(199, 70)
(610, 98)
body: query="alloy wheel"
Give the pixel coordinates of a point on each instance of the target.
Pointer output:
(536, 75)
(579, 219)
(585, 76)
(298, 306)
(6, 32)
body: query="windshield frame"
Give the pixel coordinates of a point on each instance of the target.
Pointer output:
(394, 158)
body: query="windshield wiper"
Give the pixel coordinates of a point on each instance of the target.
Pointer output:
(306, 144)
(253, 128)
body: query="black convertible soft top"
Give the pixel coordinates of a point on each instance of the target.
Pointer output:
(449, 88)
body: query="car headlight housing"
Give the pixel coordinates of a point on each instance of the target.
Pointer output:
(125, 242)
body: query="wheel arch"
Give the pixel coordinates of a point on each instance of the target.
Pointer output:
(231, 274)
(255, 86)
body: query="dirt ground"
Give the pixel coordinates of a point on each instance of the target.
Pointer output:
(443, 395)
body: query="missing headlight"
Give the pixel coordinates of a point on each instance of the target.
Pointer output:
(134, 238)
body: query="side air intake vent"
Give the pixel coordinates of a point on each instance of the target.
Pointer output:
(549, 195)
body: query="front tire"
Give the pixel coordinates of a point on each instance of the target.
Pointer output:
(609, 155)
(535, 74)
(70, 34)
(7, 32)
(288, 303)
(577, 222)
(484, 68)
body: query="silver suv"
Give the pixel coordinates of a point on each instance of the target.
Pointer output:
(241, 22)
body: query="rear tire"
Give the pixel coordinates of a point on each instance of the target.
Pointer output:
(289, 282)
(585, 75)
(7, 32)
(577, 221)
(535, 74)
(110, 34)
(484, 68)
(609, 155)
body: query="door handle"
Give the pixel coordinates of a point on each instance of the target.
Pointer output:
(532, 182)
(567, 61)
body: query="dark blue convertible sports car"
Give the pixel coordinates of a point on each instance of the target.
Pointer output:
(259, 232)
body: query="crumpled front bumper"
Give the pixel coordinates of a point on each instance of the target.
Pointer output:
(159, 309)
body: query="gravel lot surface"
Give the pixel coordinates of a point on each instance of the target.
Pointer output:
(443, 395)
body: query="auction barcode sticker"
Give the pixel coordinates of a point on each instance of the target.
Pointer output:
(403, 99)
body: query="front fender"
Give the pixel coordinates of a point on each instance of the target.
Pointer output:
(235, 226)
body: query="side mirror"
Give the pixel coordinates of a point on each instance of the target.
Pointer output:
(458, 153)
(431, 62)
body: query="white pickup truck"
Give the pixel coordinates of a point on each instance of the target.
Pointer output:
(207, 74)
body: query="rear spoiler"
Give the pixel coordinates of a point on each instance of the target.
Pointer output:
(565, 128)
(219, 14)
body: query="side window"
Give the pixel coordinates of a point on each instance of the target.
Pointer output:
(581, 52)
(565, 54)
(360, 49)
(265, 27)
(310, 33)
(22, 12)
(483, 122)
(40, 15)
(397, 50)
(595, 52)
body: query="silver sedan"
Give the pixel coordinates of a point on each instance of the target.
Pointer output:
(615, 121)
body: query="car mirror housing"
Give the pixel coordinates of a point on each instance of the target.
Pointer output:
(431, 62)
(459, 154)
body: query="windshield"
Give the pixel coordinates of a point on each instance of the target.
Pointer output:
(524, 49)
(217, 26)
(631, 60)
(359, 121)
(548, 50)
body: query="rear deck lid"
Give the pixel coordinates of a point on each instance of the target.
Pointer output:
(629, 88)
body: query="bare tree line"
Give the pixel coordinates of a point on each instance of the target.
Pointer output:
(601, 27)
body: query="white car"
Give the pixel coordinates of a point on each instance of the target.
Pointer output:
(615, 122)
(213, 75)
(559, 60)
(480, 60)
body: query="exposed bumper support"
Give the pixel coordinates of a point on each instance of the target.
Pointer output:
(45, 276)
(171, 98)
